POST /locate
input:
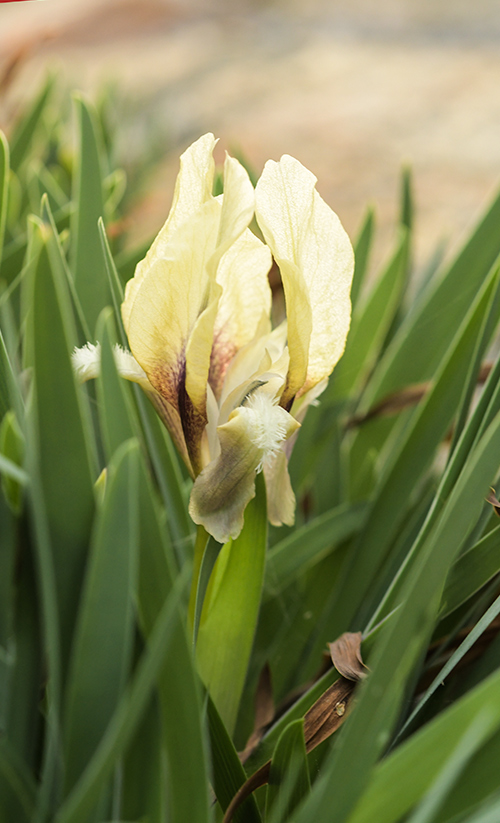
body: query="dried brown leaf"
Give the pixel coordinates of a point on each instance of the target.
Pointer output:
(404, 398)
(322, 719)
(492, 498)
(346, 656)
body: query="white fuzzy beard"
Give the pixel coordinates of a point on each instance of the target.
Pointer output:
(267, 424)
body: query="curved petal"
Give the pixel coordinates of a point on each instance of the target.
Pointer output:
(223, 489)
(279, 492)
(316, 262)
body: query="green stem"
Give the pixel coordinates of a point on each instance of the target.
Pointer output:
(199, 550)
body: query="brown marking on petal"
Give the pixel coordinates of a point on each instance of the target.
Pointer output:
(223, 351)
(170, 382)
(166, 381)
(170, 417)
(193, 424)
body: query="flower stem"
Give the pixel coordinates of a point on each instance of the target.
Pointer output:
(199, 550)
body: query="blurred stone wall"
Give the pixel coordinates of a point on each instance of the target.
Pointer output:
(353, 88)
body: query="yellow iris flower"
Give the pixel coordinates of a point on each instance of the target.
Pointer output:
(231, 390)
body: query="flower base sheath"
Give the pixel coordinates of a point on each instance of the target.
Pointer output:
(230, 389)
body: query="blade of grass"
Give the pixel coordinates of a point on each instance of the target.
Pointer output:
(471, 572)
(64, 433)
(401, 779)
(362, 249)
(102, 648)
(25, 130)
(410, 459)
(309, 544)
(126, 717)
(367, 731)
(89, 273)
(178, 686)
(472, 637)
(370, 323)
(289, 781)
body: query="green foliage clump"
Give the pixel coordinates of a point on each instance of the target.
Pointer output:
(102, 713)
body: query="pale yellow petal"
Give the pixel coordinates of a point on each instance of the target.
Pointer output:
(279, 492)
(316, 262)
(245, 301)
(221, 492)
(238, 205)
(198, 352)
(170, 297)
(193, 188)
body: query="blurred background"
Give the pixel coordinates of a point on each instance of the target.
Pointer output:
(353, 88)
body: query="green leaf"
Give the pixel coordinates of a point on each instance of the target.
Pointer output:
(126, 719)
(143, 789)
(9, 392)
(289, 780)
(11, 459)
(488, 812)
(116, 410)
(25, 130)
(370, 323)
(178, 686)
(454, 659)
(229, 616)
(471, 572)
(115, 286)
(407, 208)
(475, 734)
(62, 429)
(89, 273)
(362, 248)
(228, 773)
(410, 459)
(367, 731)
(426, 333)
(309, 544)
(210, 555)
(17, 787)
(400, 780)
(102, 648)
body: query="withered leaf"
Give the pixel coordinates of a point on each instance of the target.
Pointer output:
(346, 656)
(404, 398)
(328, 713)
(264, 712)
(494, 502)
(322, 719)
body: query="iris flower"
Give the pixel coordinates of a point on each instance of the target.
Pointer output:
(231, 390)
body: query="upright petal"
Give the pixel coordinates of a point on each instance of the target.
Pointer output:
(316, 262)
(238, 206)
(193, 188)
(245, 300)
(236, 210)
(170, 296)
